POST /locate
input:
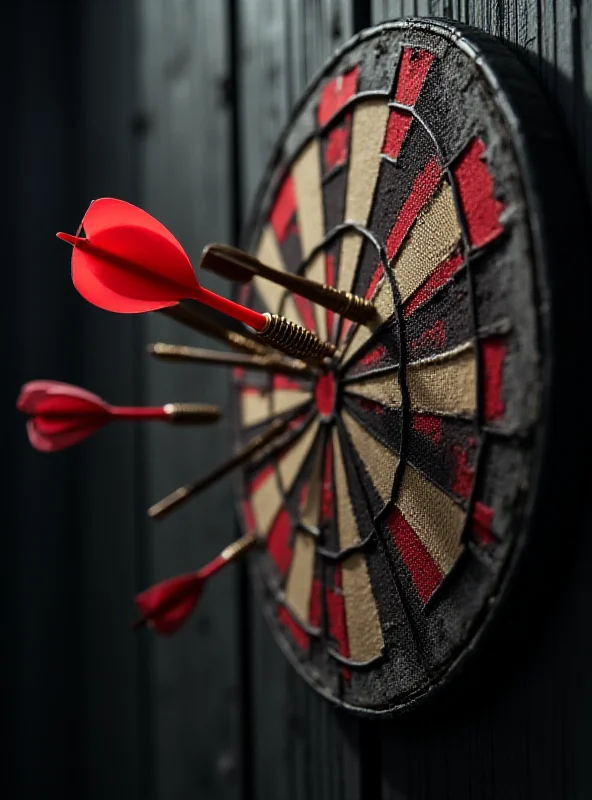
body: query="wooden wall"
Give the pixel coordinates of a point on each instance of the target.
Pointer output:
(178, 105)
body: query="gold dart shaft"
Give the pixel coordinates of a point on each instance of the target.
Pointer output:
(199, 322)
(191, 412)
(273, 363)
(234, 264)
(183, 493)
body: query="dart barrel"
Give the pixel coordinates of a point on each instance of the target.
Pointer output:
(295, 340)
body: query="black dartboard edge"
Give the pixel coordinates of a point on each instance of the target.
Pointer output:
(425, 170)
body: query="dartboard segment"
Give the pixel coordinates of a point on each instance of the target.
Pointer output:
(393, 514)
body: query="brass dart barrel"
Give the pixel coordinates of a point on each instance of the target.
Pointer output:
(295, 340)
(190, 413)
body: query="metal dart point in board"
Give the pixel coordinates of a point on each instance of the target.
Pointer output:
(391, 372)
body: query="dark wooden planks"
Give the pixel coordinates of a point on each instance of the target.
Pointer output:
(185, 168)
(116, 671)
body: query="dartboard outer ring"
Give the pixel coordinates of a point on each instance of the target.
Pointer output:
(546, 188)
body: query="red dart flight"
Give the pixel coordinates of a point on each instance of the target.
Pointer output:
(167, 605)
(128, 262)
(61, 415)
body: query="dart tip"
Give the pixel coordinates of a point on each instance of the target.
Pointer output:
(73, 240)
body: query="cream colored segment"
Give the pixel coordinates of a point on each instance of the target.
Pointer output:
(283, 400)
(266, 501)
(308, 187)
(379, 461)
(433, 237)
(300, 577)
(436, 519)
(367, 134)
(446, 384)
(269, 254)
(289, 466)
(311, 510)
(346, 519)
(385, 307)
(384, 390)
(256, 407)
(316, 272)
(364, 633)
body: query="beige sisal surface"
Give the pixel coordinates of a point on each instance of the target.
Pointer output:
(300, 576)
(267, 499)
(443, 385)
(346, 519)
(432, 238)
(363, 626)
(436, 519)
(379, 461)
(367, 134)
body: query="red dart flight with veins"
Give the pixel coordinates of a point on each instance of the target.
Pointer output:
(128, 262)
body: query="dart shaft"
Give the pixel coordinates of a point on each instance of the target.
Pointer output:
(229, 554)
(183, 493)
(172, 352)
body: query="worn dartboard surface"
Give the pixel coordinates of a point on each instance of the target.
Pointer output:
(394, 512)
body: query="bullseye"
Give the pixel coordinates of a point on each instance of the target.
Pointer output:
(326, 394)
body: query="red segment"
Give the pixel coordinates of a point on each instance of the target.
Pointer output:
(423, 188)
(248, 516)
(434, 337)
(335, 152)
(283, 209)
(278, 541)
(428, 425)
(260, 478)
(441, 275)
(475, 186)
(373, 356)
(398, 124)
(299, 635)
(425, 573)
(336, 93)
(463, 472)
(283, 382)
(306, 313)
(325, 394)
(493, 354)
(483, 522)
(413, 69)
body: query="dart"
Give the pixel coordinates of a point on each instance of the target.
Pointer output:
(236, 265)
(272, 363)
(61, 415)
(167, 605)
(197, 321)
(183, 493)
(129, 263)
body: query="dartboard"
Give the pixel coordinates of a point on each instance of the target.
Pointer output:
(395, 509)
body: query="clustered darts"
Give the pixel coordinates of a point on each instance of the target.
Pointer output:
(125, 261)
